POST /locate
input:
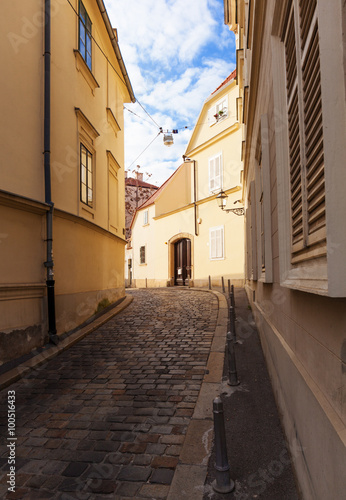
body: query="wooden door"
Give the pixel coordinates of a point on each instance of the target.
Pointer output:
(182, 262)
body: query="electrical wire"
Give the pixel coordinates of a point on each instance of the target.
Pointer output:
(144, 150)
(151, 118)
(141, 117)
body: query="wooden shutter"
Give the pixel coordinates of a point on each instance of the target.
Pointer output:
(216, 243)
(313, 127)
(211, 174)
(305, 130)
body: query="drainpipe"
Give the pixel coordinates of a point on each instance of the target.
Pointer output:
(49, 264)
(188, 160)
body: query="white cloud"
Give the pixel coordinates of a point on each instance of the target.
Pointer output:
(173, 53)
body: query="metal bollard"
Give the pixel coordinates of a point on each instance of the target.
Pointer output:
(232, 368)
(229, 286)
(223, 284)
(232, 323)
(223, 483)
(232, 296)
(209, 280)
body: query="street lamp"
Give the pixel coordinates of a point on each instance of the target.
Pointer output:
(222, 200)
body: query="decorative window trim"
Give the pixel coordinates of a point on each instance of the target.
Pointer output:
(218, 255)
(217, 185)
(264, 222)
(113, 121)
(85, 71)
(113, 168)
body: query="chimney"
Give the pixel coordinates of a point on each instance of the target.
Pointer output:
(139, 175)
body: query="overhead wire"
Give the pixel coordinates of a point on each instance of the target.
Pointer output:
(144, 150)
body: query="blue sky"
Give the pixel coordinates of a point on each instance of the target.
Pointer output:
(176, 53)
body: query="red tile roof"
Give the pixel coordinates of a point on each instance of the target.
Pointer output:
(228, 79)
(131, 181)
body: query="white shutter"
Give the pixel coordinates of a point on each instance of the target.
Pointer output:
(216, 242)
(217, 172)
(211, 117)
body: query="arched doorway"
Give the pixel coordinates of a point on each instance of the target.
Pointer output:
(182, 261)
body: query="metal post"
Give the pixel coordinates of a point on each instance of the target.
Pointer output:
(209, 280)
(223, 483)
(232, 369)
(232, 323)
(223, 284)
(229, 286)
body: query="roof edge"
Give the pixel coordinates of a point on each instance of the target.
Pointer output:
(116, 48)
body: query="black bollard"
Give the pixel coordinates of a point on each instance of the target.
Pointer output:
(232, 368)
(223, 483)
(232, 295)
(232, 323)
(209, 280)
(223, 284)
(229, 286)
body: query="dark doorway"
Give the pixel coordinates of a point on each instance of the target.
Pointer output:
(182, 262)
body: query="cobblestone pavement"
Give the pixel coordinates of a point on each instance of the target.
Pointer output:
(107, 417)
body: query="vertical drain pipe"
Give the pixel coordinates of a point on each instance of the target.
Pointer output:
(49, 264)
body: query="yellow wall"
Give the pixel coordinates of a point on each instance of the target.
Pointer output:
(86, 107)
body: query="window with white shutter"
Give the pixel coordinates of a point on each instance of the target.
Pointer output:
(216, 243)
(215, 173)
(142, 256)
(305, 130)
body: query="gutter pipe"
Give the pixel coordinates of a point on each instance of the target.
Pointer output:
(116, 48)
(49, 264)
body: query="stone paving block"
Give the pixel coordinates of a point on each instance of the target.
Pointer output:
(156, 491)
(162, 476)
(134, 473)
(75, 469)
(164, 462)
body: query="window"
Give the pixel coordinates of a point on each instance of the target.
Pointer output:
(86, 176)
(216, 243)
(219, 111)
(142, 254)
(84, 35)
(215, 173)
(305, 132)
(145, 217)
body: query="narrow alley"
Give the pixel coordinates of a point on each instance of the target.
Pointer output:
(108, 416)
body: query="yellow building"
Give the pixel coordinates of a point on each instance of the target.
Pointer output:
(62, 169)
(291, 71)
(180, 236)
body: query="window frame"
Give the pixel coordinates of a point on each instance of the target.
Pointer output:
(212, 230)
(145, 217)
(87, 35)
(89, 184)
(141, 261)
(213, 110)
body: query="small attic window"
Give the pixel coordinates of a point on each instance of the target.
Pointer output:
(218, 112)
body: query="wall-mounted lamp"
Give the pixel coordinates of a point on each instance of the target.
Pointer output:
(222, 200)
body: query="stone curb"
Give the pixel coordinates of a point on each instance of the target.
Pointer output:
(21, 370)
(190, 474)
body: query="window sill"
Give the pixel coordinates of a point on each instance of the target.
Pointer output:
(311, 278)
(85, 71)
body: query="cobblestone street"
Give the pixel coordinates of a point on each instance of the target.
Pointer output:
(107, 417)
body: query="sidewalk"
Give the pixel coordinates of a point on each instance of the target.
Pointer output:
(258, 456)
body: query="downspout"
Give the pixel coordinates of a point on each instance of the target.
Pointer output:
(195, 196)
(49, 264)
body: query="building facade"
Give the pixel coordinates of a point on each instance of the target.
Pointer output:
(179, 235)
(62, 169)
(291, 73)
